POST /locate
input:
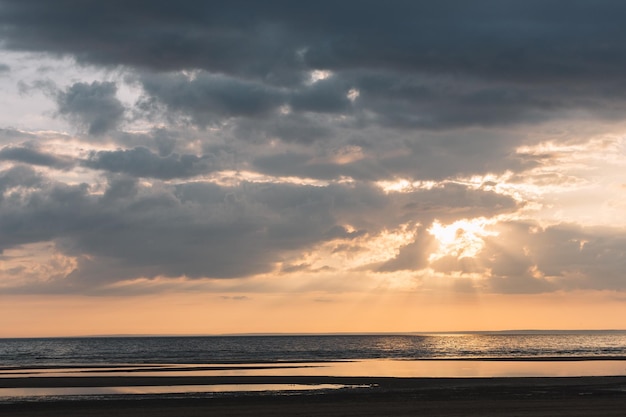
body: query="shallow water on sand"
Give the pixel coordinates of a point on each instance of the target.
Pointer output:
(360, 368)
(8, 394)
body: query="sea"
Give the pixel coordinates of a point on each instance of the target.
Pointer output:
(447, 355)
(311, 348)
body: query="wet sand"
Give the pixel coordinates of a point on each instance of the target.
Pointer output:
(586, 396)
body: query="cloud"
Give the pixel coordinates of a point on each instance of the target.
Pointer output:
(413, 256)
(141, 162)
(238, 108)
(196, 230)
(414, 65)
(325, 96)
(291, 128)
(15, 178)
(32, 156)
(207, 98)
(10, 136)
(530, 42)
(94, 106)
(525, 258)
(235, 297)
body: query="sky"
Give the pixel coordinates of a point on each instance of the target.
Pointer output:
(209, 167)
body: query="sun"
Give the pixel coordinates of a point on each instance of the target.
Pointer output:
(461, 239)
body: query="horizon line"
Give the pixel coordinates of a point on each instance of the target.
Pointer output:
(251, 334)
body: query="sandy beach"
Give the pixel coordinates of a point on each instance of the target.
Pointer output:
(587, 396)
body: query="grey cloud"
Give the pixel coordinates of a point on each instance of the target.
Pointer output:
(197, 231)
(392, 100)
(141, 162)
(454, 201)
(4, 68)
(367, 207)
(340, 232)
(289, 269)
(119, 189)
(10, 136)
(307, 165)
(389, 154)
(46, 86)
(206, 98)
(163, 141)
(527, 258)
(325, 96)
(415, 64)
(445, 89)
(446, 205)
(524, 258)
(158, 35)
(441, 101)
(290, 128)
(413, 256)
(17, 177)
(33, 156)
(193, 229)
(39, 217)
(530, 41)
(94, 106)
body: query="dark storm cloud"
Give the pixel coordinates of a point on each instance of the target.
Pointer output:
(325, 96)
(426, 101)
(207, 98)
(94, 106)
(416, 64)
(141, 162)
(32, 156)
(390, 99)
(511, 40)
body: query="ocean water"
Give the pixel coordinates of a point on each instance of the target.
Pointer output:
(241, 357)
(56, 352)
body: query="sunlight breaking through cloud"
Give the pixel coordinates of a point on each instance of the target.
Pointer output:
(462, 238)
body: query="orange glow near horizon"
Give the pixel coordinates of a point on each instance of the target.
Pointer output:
(34, 316)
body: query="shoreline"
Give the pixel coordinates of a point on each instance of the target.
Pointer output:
(367, 368)
(381, 383)
(255, 364)
(545, 396)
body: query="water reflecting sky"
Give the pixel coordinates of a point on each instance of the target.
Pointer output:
(258, 349)
(360, 368)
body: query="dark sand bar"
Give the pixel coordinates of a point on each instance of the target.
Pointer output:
(583, 396)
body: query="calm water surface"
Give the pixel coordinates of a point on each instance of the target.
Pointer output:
(451, 355)
(262, 349)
